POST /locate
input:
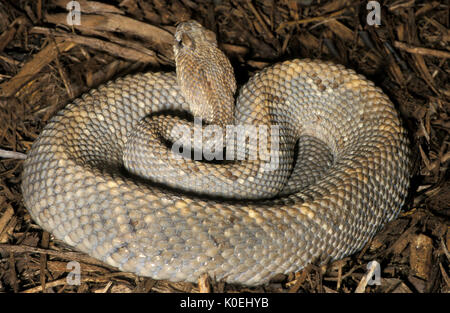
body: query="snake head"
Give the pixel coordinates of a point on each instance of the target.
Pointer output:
(204, 74)
(191, 32)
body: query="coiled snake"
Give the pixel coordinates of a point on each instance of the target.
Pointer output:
(342, 169)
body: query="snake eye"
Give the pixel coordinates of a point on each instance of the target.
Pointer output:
(184, 41)
(179, 43)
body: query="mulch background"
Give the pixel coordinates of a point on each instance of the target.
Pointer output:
(45, 63)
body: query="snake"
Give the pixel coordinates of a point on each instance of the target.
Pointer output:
(342, 168)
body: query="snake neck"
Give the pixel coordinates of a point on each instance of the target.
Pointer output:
(204, 74)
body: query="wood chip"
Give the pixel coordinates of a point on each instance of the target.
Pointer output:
(422, 51)
(90, 6)
(204, 284)
(34, 66)
(7, 221)
(421, 256)
(155, 36)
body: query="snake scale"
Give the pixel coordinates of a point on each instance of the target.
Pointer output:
(348, 176)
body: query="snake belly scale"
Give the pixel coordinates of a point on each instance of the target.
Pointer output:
(75, 185)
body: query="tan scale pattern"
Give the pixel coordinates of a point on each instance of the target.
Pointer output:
(75, 185)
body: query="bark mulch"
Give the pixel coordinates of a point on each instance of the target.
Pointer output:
(45, 63)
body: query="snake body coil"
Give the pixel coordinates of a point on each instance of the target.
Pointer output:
(350, 177)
